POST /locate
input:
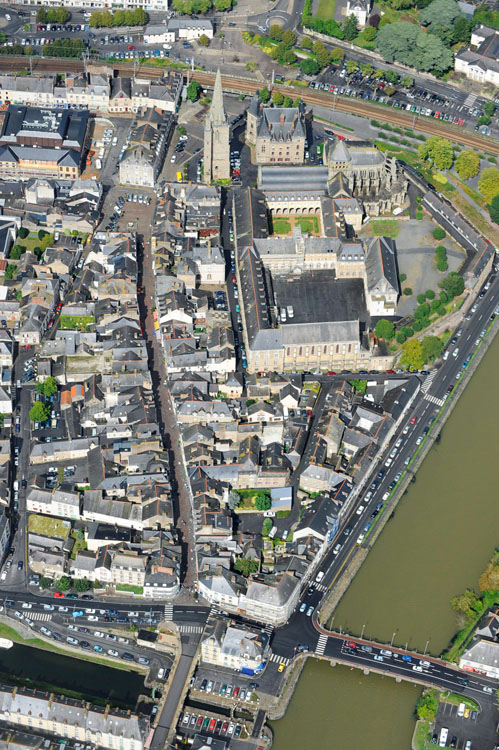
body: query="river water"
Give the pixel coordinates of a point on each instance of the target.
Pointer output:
(443, 533)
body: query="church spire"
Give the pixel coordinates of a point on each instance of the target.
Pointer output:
(217, 112)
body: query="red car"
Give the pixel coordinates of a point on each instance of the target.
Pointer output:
(461, 123)
(390, 372)
(413, 420)
(235, 693)
(131, 46)
(351, 644)
(224, 728)
(199, 722)
(212, 725)
(58, 595)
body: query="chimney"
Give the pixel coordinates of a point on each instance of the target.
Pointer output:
(282, 120)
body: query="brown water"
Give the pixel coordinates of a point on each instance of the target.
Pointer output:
(443, 533)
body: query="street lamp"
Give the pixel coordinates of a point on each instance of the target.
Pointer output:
(393, 636)
(362, 634)
(426, 647)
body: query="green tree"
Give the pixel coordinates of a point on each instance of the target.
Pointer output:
(467, 605)
(336, 55)
(412, 355)
(289, 38)
(461, 31)
(440, 13)
(439, 233)
(45, 583)
(494, 209)
(429, 294)
(275, 32)
(193, 91)
(351, 66)
(306, 43)
(407, 43)
(17, 251)
(63, 584)
(316, 46)
(262, 502)
(402, 277)
(288, 102)
(288, 57)
(489, 108)
(323, 57)
(427, 706)
(41, 234)
(234, 500)
(309, 67)
(39, 412)
(204, 41)
(297, 102)
(384, 329)
(277, 98)
(264, 94)
(246, 567)
(350, 28)
(421, 311)
(41, 15)
(488, 184)
(400, 337)
(366, 69)
(432, 348)
(81, 585)
(438, 151)
(453, 285)
(421, 298)
(407, 82)
(49, 386)
(23, 233)
(483, 120)
(407, 291)
(10, 271)
(391, 76)
(467, 164)
(408, 331)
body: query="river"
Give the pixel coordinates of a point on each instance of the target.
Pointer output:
(25, 665)
(443, 533)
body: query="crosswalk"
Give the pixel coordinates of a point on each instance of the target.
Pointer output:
(435, 400)
(470, 100)
(269, 630)
(321, 644)
(168, 615)
(191, 629)
(279, 659)
(43, 616)
(426, 384)
(320, 587)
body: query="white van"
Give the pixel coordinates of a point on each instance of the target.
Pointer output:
(460, 710)
(273, 532)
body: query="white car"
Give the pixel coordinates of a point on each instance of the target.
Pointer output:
(92, 618)
(360, 539)
(27, 605)
(359, 510)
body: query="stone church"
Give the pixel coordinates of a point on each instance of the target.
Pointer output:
(216, 138)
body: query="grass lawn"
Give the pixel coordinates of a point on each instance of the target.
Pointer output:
(128, 587)
(46, 526)
(80, 322)
(385, 227)
(281, 226)
(456, 699)
(326, 9)
(421, 739)
(308, 224)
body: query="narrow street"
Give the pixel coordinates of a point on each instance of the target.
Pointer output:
(168, 424)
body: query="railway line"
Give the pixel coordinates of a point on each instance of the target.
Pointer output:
(241, 84)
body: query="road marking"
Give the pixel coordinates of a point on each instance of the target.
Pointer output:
(168, 614)
(279, 659)
(342, 566)
(321, 644)
(434, 399)
(38, 615)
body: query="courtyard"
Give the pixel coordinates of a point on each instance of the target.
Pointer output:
(284, 225)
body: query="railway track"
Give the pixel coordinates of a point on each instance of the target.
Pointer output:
(245, 85)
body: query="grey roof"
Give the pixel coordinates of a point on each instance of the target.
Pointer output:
(282, 123)
(216, 115)
(294, 180)
(295, 334)
(484, 653)
(381, 265)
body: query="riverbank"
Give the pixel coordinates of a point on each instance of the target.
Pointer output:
(359, 555)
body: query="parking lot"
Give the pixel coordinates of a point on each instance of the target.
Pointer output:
(473, 727)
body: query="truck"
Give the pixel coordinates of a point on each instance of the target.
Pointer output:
(443, 737)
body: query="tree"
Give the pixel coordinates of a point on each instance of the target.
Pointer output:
(316, 46)
(351, 66)
(17, 251)
(453, 285)
(234, 499)
(306, 43)
(384, 329)
(429, 294)
(489, 580)
(421, 311)
(336, 55)
(489, 108)
(440, 14)
(297, 102)
(438, 151)
(289, 38)
(23, 233)
(275, 32)
(400, 337)
(420, 298)
(64, 583)
(39, 412)
(467, 164)
(432, 348)
(407, 82)
(204, 41)
(323, 57)
(350, 28)
(246, 567)
(407, 291)
(45, 583)
(288, 57)
(483, 120)
(309, 67)
(374, 20)
(391, 76)
(193, 90)
(439, 234)
(49, 386)
(427, 706)
(494, 209)
(366, 69)
(262, 502)
(461, 31)
(264, 94)
(288, 102)
(488, 184)
(81, 585)
(407, 43)
(467, 604)
(277, 98)
(369, 34)
(402, 277)
(41, 234)
(412, 355)
(41, 15)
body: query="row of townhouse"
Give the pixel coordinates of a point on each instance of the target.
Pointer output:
(95, 91)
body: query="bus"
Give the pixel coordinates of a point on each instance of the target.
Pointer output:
(179, 176)
(443, 737)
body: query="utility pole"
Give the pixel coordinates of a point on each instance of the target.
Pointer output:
(273, 73)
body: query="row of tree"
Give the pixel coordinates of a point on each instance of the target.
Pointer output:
(190, 7)
(106, 19)
(64, 48)
(52, 15)
(65, 583)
